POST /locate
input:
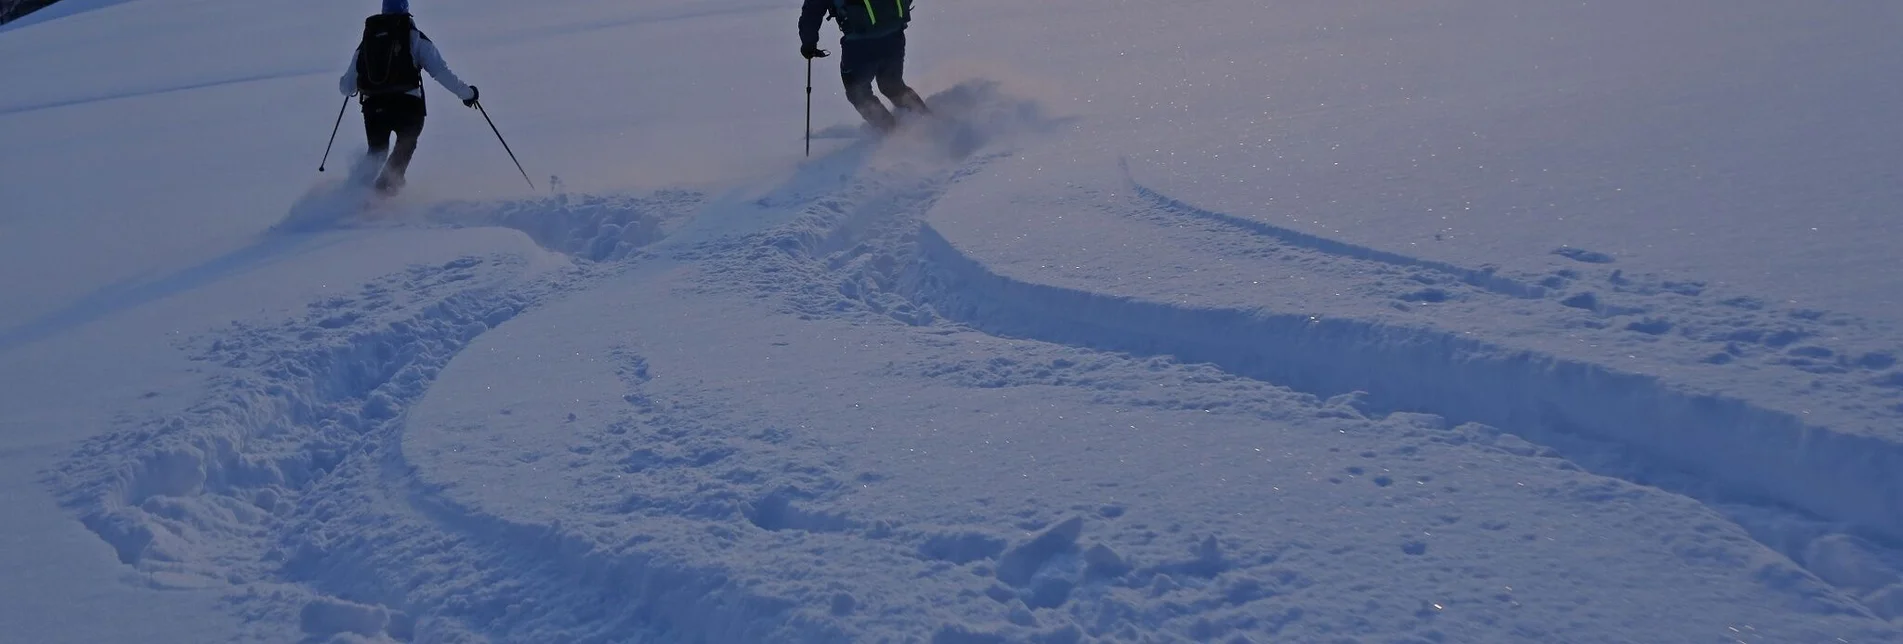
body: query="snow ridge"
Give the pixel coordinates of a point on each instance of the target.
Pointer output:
(877, 255)
(597, 228)
(1483, 279)
(1756, 465)
(1462, 379)
(289, 487)
(1793, 484)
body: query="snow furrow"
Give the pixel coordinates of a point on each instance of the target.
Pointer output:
(876, 255)
(288, 486)
(379, 535)
(1483, 279)
(1735, 451)
(225, 495)
(1833, 369)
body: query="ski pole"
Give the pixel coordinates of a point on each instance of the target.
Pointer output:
(809, 107)
(505, 145)
(333, 134)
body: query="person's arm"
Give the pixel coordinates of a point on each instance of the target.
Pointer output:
(431, 60)
(812, 15)
(348, 84)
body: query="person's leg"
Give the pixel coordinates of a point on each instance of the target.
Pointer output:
(377, 131)
(858, 66)
(891, 77)
(407, 123)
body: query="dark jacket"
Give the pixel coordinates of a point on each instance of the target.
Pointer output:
(814, 13)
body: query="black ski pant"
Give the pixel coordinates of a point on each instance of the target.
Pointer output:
(401, 115)
(881, 60)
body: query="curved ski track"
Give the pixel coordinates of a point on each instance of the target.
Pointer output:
(288, 486)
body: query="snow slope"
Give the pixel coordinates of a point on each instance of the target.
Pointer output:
(1457, 321)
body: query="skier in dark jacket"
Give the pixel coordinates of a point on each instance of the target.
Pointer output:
(872, 48)
(386, 75)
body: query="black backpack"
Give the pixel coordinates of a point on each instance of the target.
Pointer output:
(868, 16)
(385, 64)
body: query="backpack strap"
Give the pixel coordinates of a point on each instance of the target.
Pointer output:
(849, 16)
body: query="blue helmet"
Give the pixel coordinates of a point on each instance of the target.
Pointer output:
(396, 6)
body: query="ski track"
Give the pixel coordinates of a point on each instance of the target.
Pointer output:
(1480, 278)
(1824, 498)
(288, 485)
(1818, 508)
(1819, 356)
(1793, 485)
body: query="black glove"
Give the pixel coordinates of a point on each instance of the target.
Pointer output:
(811, 52)
(474, 95)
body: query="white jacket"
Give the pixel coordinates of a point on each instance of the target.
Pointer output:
(424, 53)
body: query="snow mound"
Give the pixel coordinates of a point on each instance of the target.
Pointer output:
(592, 227)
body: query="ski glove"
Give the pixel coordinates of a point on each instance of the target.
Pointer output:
(474, 95)
(811, 52)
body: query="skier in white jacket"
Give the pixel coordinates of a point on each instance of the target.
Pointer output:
(386, 75)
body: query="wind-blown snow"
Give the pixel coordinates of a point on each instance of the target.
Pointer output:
(1461, 321)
